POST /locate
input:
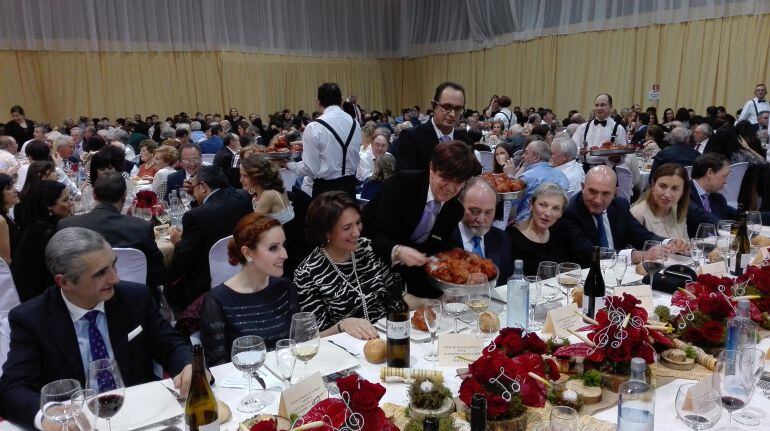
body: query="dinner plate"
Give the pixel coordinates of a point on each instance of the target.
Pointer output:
(446, 325)
(143, 405)
(329, 359)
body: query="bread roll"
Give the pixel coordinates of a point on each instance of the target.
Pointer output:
(489, 322)
(376, 351)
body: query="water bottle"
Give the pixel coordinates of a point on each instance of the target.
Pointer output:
(518, 297)
(741, 330)
(636, 400)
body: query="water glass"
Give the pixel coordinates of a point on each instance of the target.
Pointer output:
(751, 415)
(726, 227)
(285, 359)
(56, 401)
(104, 377)
(535, 290)
(570, 276)
(548, 272)
(753, 224)
(619, 268)
(606, 258)
(652, 264)
(563, 419)
(478, 296)
(455, 303)
(698, 411)
(248, 355)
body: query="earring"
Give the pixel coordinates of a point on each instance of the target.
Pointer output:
(249, 259)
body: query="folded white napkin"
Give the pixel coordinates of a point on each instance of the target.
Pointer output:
(238, 380)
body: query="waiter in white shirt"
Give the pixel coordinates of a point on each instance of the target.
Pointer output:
(331, 145)
(753, 107)
(599, 130)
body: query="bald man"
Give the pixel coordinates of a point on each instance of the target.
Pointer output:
(596, 217)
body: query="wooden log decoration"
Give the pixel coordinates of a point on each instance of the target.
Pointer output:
(702, 357)
(392, 374)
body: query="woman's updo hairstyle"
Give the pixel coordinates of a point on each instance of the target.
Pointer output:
(247, 233)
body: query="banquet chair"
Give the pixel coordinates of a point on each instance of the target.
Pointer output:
(485, 158)
(733, 185)
(131, 265)
(207, 159)
(625, 182)
(220, 269)
(689, 171)
(9, 298)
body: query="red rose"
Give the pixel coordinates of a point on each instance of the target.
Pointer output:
(712, 332)
(486, 366)
(646, 352)
(715, 307)
(471, 386)
(621, 353)
(532, 392)
(553, 369)
(334, 408)
(268, 425)
(510, 340)
(533, 343)
(496, 405)
(693, 335)
(364, 395)
(763, 303)
(525, 363)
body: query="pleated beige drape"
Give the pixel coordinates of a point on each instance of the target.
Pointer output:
(696, 64)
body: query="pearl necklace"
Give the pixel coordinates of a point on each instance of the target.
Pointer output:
(357, 286)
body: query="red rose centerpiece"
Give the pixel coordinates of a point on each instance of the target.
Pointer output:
(145, 199)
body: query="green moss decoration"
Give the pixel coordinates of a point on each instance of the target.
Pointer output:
(556, 398)
(592, 378)
(663, 312)
(554, 343)
(428, 400)
(444, 424)
(690, 352)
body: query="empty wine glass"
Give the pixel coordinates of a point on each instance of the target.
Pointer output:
(432, 315)
(698, 411)
(569, 276)
(727, 249)
(248, 354)
(56, 401)
(564, 418)
(85, 419)
(619, 268)
(104, 377)
(304, 332)
(455, 302)
(606, 258)
(753, 224)
(535, 288)
(696, 251)
(478, 296)
(726, 227)
(732, 378)
(652, 262)
(706, 237)
(548, 272)
(285, 359)
(751, 415)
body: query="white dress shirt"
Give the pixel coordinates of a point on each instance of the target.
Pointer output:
(575, 174)
(366, 165)
(749, 113)
(322, 154)
(467, 237)
(598, 134)
(507, 117)
(702, 146)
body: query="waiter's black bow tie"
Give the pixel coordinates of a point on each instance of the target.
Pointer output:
(602, 122)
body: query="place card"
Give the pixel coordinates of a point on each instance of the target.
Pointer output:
(715, 268)
(642, 292)
(698, 396)
(302, 396)
(458, 350)
(559, 320)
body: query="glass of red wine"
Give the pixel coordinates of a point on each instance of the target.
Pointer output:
(734, 380)
(652, 262)
(104, 378)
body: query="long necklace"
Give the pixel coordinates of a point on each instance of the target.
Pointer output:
(357, 286)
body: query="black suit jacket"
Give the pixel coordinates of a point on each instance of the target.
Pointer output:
(416, 144)
(202, 226)
(696, 214)
(174, 181)
(497, 247)
(44, 346)
(391, 218)
(577, 229)
(224, 159)
(679, 153)
(123, 231)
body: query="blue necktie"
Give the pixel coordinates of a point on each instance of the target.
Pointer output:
(444, 138)
(602, 232)
(425, 225)
(98, 350)
(477, 246)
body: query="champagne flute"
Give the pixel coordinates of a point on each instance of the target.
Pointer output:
(706, 237)
(535, 289)
(455, 302)
(652, 264)
(548, 272)
(104, 377)
(55, 401)
(478, 295)
(569, 277)
(699, 412)
(248, 354)
(432, 315)
(732, 379)
(619, 268)
(753, 224)
(304, 332)
(285, 359)
(751, 415)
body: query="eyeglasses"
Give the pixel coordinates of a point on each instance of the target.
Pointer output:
(458, 110)
(190, 161)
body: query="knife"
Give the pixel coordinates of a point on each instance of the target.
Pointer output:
(355, 355)
(259, 380)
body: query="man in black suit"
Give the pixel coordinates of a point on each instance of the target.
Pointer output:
(596, 217)
(701, 134)
(678, 152)
(417, 212)
(475, 232)
(190, 155)
(88, 315)
(416, 144)
(641, 132)
(219, 209)
(117, 229)
(227, 157)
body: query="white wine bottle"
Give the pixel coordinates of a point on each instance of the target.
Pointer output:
(200, 409)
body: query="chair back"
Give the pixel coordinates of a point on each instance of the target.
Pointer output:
(207, 159)
(689, 171)
(289, 177)
(485, 158)
(9, 298)
(625, 182)
(733, 185)
(219, 267)
(131, 265)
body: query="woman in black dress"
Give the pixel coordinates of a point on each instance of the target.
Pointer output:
(8, 231)
(19, 127)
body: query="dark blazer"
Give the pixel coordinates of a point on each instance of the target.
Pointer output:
(202, 226)
(680, 154)
(174, 181)
(497, 247)
(224, 159)
(123, 231)
(30, 273)
(579, 233)
(390, 219)
(696, 214)
(44, 346)
(416, 144)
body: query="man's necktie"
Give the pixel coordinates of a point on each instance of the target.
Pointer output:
(444, 138)
(476, 240)
(425, 225)
(602, 122)
(602, 231)
(706, 202)
(98, 350)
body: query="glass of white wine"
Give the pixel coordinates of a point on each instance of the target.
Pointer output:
(304, 332)
(569, 277)
(455, 300)
(478, 296)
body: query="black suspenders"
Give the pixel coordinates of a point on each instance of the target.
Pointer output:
(612, 137)
(339, 140)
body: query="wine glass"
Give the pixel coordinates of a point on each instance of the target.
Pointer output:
(569, 276)
(104, 377)
(535, 289)
(85, 419)
(432, 315)
(304, 332)
(733, 380)
(564, 418)
(455, 302)
(727, 249)
(285, 359)
(706, 238)
(478, 295)
(606, 257)
(753, 224)
(696, 251)
(699, 412)
(548, 272)
(248, 354)
(161, 213)
(56, 401)
(751, 415)
(619, 268)
(651, 264)
(726, 227)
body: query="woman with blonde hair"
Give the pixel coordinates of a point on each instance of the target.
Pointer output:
(164, 158)
(367, 135)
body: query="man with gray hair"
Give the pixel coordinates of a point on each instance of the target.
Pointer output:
(536, 170)
(475, 232)
(678, 152)
(88, 315)
(564, 158)
(701, 135)
(197, 133)
(77, 139)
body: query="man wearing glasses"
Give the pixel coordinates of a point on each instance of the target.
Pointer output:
(416, 144)
(191, 162)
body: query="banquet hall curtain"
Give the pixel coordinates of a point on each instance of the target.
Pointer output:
(696, 64)
(331, 28)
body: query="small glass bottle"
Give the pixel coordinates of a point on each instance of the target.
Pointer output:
(741, 330)
(517, 297)
(636, 400)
